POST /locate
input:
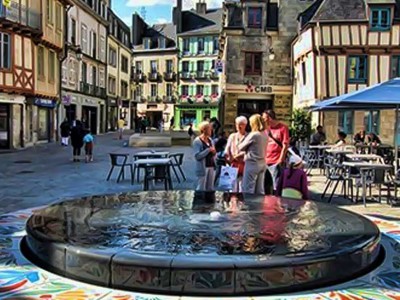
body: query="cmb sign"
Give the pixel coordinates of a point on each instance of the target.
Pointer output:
(259, 89)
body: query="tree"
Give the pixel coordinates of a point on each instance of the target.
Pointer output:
(300, 125)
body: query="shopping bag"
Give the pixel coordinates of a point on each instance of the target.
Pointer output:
(227, 178)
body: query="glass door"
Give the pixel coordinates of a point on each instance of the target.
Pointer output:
(4, 126)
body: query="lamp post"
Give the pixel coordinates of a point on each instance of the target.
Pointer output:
(271, 55)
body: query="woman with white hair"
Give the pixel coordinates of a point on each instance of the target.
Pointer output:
(254, 146)
(233, 156)
(204, 153)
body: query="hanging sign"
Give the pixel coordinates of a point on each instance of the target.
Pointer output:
(7, 3)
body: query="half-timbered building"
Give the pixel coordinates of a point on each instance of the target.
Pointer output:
(344, 46)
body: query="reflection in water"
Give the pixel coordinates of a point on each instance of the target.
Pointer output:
(184, 222)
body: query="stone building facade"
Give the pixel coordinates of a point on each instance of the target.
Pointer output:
(255, 50)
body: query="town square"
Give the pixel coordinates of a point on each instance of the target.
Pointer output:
(196, 149)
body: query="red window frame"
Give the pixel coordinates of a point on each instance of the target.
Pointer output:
(252, 22)
(255, 70)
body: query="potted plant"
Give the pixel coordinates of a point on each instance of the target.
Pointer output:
(300, 126)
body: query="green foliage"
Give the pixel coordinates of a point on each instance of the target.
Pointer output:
(300, 125)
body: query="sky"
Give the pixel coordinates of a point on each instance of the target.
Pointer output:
(156, 11)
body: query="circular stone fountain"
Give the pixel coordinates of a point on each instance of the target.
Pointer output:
(190, 243)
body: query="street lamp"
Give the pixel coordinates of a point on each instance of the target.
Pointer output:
(79, 54)
(271, 55)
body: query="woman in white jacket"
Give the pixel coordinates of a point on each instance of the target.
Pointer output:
(204, 153)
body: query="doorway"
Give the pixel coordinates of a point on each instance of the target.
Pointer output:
(89, 118)
(70, 113)
(154, 118)
(4, 126)
(248, 108)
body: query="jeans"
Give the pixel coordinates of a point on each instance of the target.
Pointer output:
(77, 151)
(275, 172)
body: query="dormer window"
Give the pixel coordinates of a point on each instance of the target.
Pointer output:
(380, 19)
(254, 18)
(147, 43)
(161, 42)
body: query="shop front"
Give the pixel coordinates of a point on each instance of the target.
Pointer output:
(112, 114)
(156, 112)
(5, 126)
(45, 121)
(193, 114)
(11, 121)
(246, 100)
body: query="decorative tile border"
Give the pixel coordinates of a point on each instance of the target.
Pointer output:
(21, 280)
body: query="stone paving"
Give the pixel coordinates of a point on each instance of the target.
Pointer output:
(46, 174)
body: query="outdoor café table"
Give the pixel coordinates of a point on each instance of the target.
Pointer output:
(367, 157)
(364, 168)
(320, 147)
(152, 163)
(151, 154)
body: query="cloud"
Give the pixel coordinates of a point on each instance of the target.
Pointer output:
(161, 21)
(187, 4)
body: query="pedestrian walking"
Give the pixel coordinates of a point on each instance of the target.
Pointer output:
(77, 135)
(254, 168)
(121, 125)
(233, 156)
(171, 123)
(204, 153)
(278, 140)
(65, 130)
(88, 141)
(191, 134)
(143, 125)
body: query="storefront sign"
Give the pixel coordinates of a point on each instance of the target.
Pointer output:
(7, 3)
(259, 89)
(219, 66)
(66, 100)
(44, 103)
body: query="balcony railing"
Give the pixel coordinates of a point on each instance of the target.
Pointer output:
(154, 76)
(186, 75)
(92, 90)
(22, 15)
(84, 87)
(100, 92)
(138, 77)
(169, 99)
(156, 99)
(169, 76)
(201, 75)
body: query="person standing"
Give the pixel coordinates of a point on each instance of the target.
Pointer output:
(143, 125)
(88, 141)
(171, 123)
(278, 140)
(204, 153)
(191, 134)
(232, 154)
(65, 129)
(77, 140)
(254, 168)
(121, 125)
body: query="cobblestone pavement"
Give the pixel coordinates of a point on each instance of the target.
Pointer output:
(46, 174)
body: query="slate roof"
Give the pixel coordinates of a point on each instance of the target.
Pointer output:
(339, 10)
(199, 24)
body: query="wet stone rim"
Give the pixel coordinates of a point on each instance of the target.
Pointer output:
(274, 266)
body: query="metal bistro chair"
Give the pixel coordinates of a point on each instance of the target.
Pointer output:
(120, 161)
(164, 175)
(176, 163)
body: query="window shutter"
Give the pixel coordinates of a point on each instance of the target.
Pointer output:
(207, 90)
(192, 90)
(192, 45)
(272, 16)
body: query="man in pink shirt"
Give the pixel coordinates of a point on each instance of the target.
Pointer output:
(277, 145)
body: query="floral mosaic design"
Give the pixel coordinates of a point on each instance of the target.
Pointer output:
(20, 280)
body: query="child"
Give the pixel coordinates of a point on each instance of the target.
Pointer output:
(293, 181)
(88, 141)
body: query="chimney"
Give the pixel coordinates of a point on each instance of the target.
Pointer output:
(201, 7)
(177, 16)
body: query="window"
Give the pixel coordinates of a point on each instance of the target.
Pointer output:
(371, 121)
(153, 66)
(304, 72)
(253, 61)
(214, 89)
(380, 19)
(64, 72)
(395, 67)
(124, 89)
(186, 45)
(358, 69)
(138, 66)
(254, 18)
(112, 57)
(84, 38)
(200, 89)
(147, 43)
(5, 51)
(124, 64)
(169, 89)
(72, 71)
(73, 31)
(169, 67)
(153, 90)
(101, 77)
(200, 66)
(52, 66)
(200, 45)
(346, 121)
(185, 66)
(215, 44)
(185, 90)
(272, 16)
(49, 11)
(102, 48)
(84, 72)
(94, 76)
(59, 16)
(94, 45)
(161, 43)
(111, 85)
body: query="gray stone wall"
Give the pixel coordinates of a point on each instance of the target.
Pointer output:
(277, 71)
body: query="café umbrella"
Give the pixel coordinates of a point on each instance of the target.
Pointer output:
(385, 95)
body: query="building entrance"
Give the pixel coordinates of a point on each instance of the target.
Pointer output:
(89, 118)
(4, 126)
